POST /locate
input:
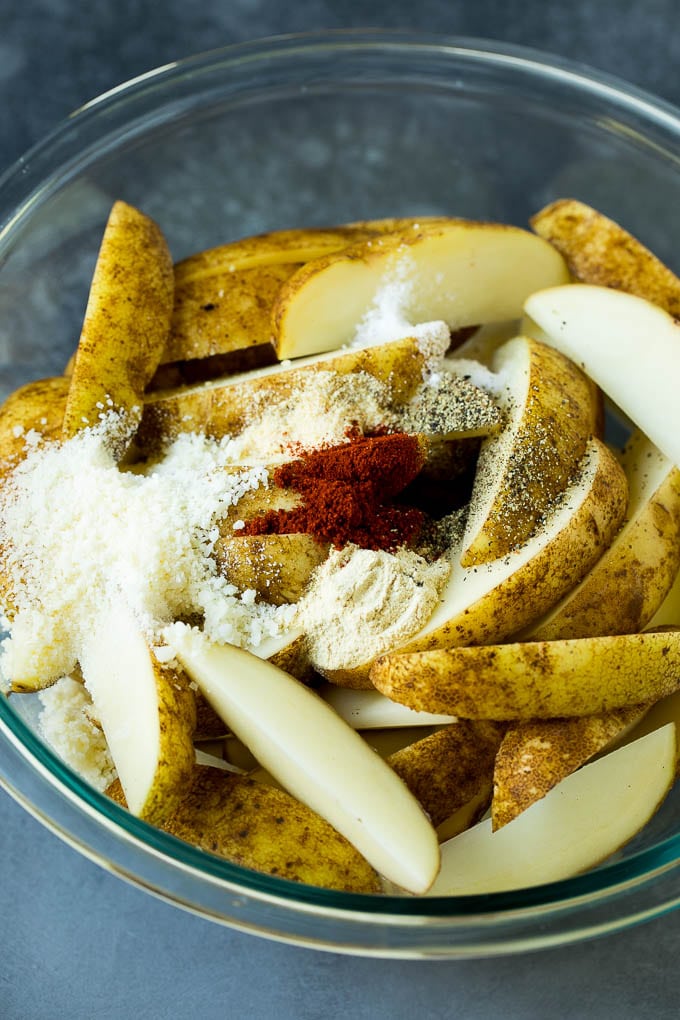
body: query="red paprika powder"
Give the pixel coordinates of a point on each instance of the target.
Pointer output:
(347, 493)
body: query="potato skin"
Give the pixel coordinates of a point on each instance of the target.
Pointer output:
(448, 768)
(265, 829)
(126, 323)
(535, 679)
(599, 251)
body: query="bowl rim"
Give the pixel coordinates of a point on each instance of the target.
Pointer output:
(609, 880)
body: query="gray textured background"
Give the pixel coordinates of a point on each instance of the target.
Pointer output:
(78, 943)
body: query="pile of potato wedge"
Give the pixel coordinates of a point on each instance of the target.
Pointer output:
(542, 693)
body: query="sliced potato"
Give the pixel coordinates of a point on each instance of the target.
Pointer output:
(485, 604)
(630, 347)
(454, 271)
(308, 749)
(224, 407)
(627, 585)
(535, 756)
(556, 837)
(146, 710)
(535, 679)
(224, 295)
(447, 769)
(369, 710)
(277, 567)
(126, 322)
(523, 470)
(36, 407)
(263, 828)
(597, 250)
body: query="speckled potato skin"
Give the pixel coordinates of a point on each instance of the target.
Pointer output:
(277, 567)
(535, 680)
(176, 756)
(535, 756)
(223, 409)
(623, 591)
(532, 589)
(599, 251)
(264, 828)
(224, 295)
(37, 406)
(126, 322)
(555, 423)
(448, 768)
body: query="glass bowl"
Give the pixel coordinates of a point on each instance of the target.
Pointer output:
(311, 130)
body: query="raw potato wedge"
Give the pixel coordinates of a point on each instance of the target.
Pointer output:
(447, 769)
(597, 250)
(535, 756)
(313, 754)
(535, 679)
(523, 469)
(263, 828)
(486, 604)
(456, 272)
(630, 347)
(36, 407)
(556, 838)
(276, 567)
(223, 298)
(224, 407)
(368, 710)
(668, 613)
(147, 712)
(126, 322)
(623, 591)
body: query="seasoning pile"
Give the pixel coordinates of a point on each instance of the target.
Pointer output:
(316, 579)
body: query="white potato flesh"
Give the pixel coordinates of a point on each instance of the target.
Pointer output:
(119, 674)
(456, 272)
(630, 347)
(371, 710)
(316, 756)
(577, 825)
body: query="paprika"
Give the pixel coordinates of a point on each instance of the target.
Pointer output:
(347, 493)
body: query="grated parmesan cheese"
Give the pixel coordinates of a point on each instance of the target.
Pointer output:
(78, 532)
(68, 725)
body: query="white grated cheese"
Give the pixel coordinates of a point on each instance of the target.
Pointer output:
(67, 723)
(77, 532)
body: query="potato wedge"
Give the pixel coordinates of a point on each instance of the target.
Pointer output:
(126, 322)
(36, 407)
(625, 588)
(630, 347)
(263, 828)
(556, 838)
(535, 756)
(523, 470)
(535, 679)
(456, 272)
(224, 295)
(223, 407)
(448, 768)
(276, 567)
(599, 251)
(147, 712)
(485, 604)
(308, 749)
(668, 613)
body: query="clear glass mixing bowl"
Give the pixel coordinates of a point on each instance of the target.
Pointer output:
(316, 130)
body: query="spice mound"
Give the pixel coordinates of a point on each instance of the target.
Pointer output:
(346, 491)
